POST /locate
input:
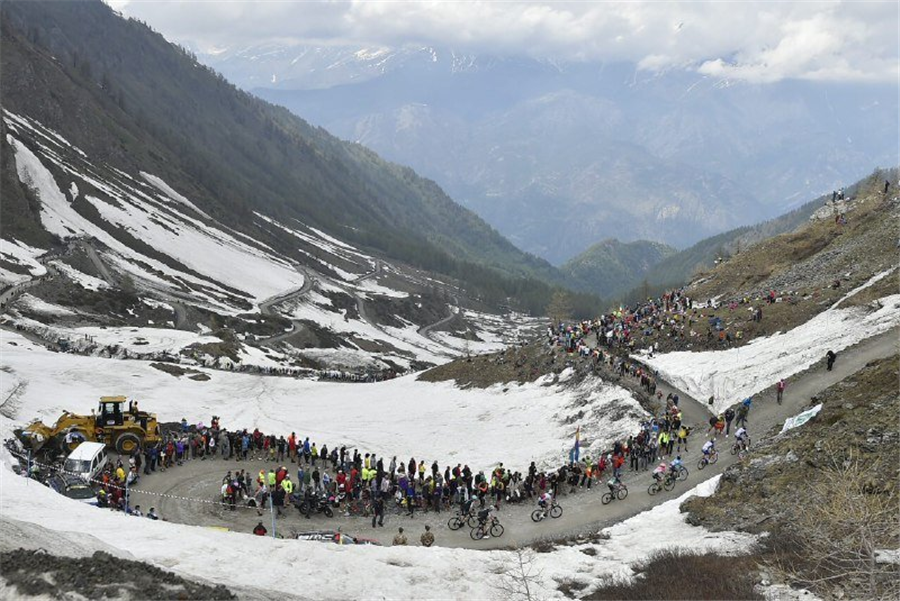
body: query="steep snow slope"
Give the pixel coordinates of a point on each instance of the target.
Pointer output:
(216, 261)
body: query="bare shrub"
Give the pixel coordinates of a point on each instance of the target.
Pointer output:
(518, 578)
(681, 574)
(833, 540)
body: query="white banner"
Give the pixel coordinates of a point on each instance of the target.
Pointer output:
(800, 419)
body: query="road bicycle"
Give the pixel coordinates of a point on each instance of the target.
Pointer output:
(708, 459)
(462, 519)
(495, 528)
(740, 447)
(554, 511)
(619, 492)
(668, 483)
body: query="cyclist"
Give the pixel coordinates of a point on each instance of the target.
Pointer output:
(545, 501)
(742, 437)
(485, 515)
(485, 518)
(659, 472)
(708, 447)
(676, 465)
(614, 484)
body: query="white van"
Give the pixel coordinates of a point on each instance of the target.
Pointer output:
(87, 460)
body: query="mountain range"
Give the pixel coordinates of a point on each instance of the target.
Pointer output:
(559, 155)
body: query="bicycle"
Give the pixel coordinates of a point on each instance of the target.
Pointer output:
(668, 483)
(554, 511)
(708, 459)
(620, 492)
(482, 529)
(740, 446)
(682, 473)
(461, 519)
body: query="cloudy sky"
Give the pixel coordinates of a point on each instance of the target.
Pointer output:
(755, 41)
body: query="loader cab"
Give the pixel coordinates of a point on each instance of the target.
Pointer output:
(112, 411)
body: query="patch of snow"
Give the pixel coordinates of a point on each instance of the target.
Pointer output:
(84, 280)
(372, 287)
(171, 194)
(42, 307)
(20, 253)
(734, 374)
(156, 304)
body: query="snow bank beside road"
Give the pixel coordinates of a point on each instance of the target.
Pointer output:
(737, 373)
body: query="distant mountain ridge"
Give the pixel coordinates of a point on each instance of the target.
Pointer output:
(595, 150)
(610, 268)
(679, 268)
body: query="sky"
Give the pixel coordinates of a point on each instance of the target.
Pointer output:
(753, 41)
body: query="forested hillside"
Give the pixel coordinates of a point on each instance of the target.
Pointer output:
(611, 267)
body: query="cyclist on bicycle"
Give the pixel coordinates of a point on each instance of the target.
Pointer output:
(742, 437)
(486, 515)
(659, 472)
(545, 501)
(614, 483)
(676, 464)
(709, 447)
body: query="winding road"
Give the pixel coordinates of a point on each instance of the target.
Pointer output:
(176, 300)
(265, 307)
(426, 330)
(583, 512)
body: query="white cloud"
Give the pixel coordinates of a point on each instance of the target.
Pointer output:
(758, 41)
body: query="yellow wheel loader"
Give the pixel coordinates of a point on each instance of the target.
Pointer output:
(125, 429)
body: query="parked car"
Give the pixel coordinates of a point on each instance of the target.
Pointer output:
(72, 486)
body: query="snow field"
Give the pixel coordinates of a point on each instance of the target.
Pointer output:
(403, 417)
(42, 307)
(734, 374)
(88, 282)
(138, 341)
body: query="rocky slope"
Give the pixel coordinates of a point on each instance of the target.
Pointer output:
(824, 492)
